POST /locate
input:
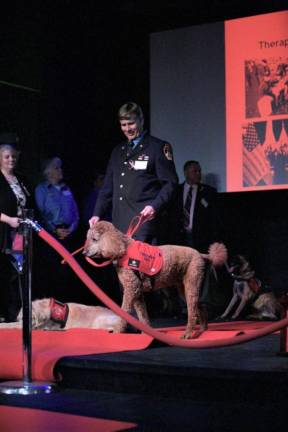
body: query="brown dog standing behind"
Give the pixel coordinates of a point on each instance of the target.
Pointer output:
(183, 267)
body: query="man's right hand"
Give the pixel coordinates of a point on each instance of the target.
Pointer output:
(93, 221)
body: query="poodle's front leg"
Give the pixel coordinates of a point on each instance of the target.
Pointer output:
(141, 310)
(130, 284)
(127, 306)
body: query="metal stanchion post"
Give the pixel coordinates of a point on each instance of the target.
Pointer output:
(26, 386)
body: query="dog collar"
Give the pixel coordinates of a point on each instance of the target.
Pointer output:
(241, 278)
(59, 312)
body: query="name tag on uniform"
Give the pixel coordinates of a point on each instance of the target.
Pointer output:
(140, 164)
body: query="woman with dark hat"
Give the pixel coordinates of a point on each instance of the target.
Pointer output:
(14, 198)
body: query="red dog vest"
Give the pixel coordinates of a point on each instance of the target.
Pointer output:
(143, 257)
(254, 285)
(59, 312)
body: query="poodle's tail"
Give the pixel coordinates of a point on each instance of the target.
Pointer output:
(217, 254)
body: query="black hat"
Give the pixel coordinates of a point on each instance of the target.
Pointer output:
(9, 138)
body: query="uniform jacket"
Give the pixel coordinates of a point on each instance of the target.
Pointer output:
(8, 205)
(145, 176)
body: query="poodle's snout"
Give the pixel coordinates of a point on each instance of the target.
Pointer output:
(90, 250)
(87, 253)
(87, 247)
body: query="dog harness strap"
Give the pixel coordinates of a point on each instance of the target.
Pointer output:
(255, 285)
(59, 312)
(143, 257)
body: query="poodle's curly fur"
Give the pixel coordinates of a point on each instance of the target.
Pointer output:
(183, 267)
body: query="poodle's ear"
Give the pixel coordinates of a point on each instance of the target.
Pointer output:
(113, 244)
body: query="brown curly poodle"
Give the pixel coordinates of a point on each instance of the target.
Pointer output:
(182, 267)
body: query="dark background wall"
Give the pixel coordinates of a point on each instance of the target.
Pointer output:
(66, 67)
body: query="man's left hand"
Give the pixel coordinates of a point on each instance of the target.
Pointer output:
(148, 212)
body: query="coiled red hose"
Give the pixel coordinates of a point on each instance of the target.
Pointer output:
(166, 338)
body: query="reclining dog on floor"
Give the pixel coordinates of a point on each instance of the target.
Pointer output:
(50, 314)
(249, 293)
(142, 268)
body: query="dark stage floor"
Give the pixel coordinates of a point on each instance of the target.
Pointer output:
(162, 388)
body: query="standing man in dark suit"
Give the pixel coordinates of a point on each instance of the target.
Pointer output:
(197, 204)
(193, 222)
(140, 177)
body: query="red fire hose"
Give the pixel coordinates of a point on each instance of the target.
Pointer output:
(166, 338)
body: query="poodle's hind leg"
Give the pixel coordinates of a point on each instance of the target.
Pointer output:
(193, 314)
(192, 282)
(203, 318)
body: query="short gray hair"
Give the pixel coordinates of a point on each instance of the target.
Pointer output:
(9, 147)
(130, 110)
(49, 164)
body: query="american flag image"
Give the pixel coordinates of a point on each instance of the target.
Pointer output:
(256, 166)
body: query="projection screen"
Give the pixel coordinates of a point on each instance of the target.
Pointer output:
(219, 95)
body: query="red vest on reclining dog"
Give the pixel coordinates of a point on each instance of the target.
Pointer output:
(142, 257)
(59, 312)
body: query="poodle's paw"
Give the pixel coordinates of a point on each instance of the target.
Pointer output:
(120, 329)
(192, 334)
(186, 336)
(117, 331)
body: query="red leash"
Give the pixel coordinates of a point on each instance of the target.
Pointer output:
(134, 225)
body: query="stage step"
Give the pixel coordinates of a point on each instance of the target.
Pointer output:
(252, 370)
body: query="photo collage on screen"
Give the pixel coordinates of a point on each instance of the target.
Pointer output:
(265, 133)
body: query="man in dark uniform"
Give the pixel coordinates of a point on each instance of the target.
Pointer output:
(140, 177)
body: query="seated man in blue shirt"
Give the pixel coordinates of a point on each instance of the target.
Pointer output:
(58, 214)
